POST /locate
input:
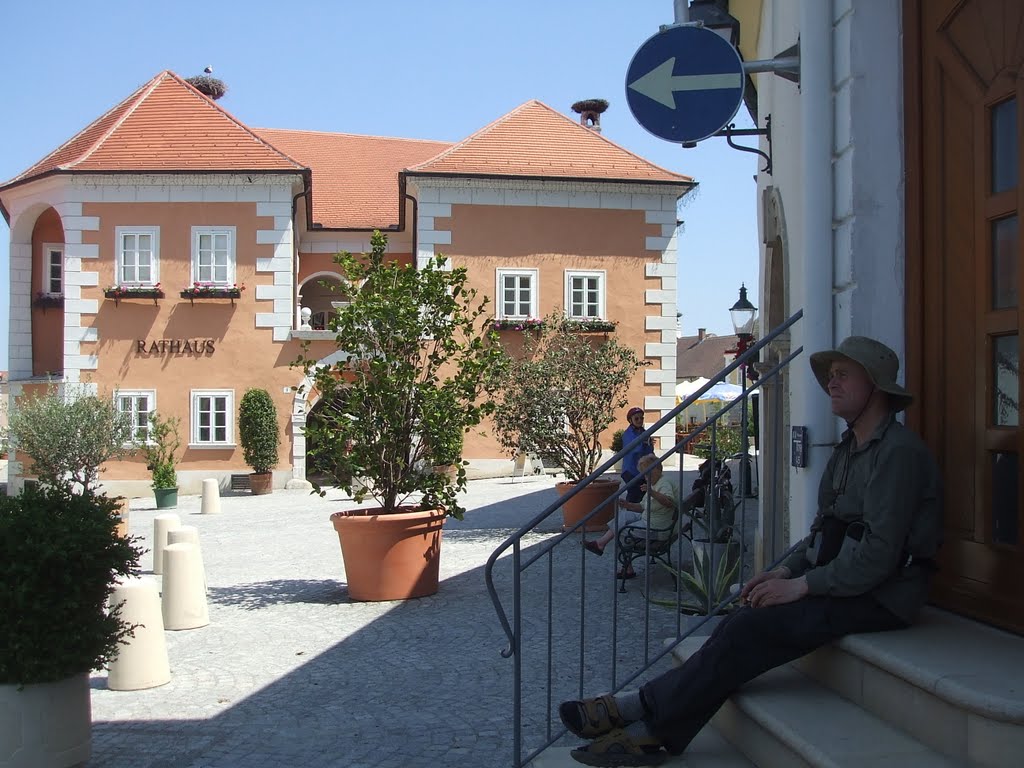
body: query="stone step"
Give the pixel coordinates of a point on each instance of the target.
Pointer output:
(951, 683)
(783, 719)
(708, 750)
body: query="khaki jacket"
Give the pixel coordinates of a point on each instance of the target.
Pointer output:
(891, 484)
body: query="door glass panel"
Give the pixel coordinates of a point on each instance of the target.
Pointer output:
(1004, 146)
(1004, 263)
(1004, 498)
(1006, 378)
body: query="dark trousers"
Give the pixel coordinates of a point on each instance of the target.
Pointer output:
(635, 493)
(746, 643)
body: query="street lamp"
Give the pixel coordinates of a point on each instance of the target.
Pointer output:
(743, 314)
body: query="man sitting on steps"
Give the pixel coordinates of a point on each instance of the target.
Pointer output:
(864, 567)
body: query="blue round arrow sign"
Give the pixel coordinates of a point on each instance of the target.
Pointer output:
(685, 84)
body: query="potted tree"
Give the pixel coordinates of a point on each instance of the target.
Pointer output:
(69, 434)
(160, 450)
(408, 377)
(257, 428)
(59, 558)
(557, 398)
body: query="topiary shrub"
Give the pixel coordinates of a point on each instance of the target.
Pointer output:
(257, 427)
(59, 557)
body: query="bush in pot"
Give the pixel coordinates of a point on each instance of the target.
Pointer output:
(59, 558)
(408, 378)
(258, 431)
(160, 449)
(557, 398)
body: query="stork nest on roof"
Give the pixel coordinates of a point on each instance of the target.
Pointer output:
(208, 86)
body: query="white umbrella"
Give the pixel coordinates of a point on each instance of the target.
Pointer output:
(686, 388)
(723, 392)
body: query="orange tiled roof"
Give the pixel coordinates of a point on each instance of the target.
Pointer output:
(166, 125)
(534, 140)
(355, 178)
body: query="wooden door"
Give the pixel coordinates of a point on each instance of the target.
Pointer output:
(965, 123)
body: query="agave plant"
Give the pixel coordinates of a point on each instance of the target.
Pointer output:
(710, 584)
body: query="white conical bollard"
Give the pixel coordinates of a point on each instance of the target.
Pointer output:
(184, 603)
(211, 497)
(142, 661)
(189, 534)
(161, 525)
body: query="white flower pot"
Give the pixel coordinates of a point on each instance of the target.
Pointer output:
(47, 725)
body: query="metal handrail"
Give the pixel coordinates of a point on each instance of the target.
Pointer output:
(522, 561)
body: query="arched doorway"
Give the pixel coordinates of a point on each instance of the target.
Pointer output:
(774, 393)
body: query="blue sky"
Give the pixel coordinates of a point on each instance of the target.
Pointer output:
(432, 70)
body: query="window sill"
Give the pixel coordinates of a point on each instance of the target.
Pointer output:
(212, 446)
(311, 335)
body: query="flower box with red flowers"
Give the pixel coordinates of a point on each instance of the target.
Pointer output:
(212, 291)
(571, 324)
(119, 292)
(47, 300)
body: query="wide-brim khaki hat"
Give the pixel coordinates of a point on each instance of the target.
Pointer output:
(880, 362)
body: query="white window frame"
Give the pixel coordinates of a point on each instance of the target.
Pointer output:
(499, 293)
(49, 249)
(150, 395)
(194, 436)
(154, 270)
(197, 233)
(602, 288)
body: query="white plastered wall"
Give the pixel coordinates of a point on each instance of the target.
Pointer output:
(866, 182)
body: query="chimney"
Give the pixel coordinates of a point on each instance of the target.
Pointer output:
(701, 332)
(590, 111)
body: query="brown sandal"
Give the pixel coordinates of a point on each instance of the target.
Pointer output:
(591, 718)
(619, 748)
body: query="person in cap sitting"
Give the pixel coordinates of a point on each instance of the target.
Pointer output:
(865, 566)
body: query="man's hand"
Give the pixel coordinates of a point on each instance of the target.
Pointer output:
(778, 592)
(782, 572)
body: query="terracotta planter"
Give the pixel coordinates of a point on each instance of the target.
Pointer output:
(583, 503)
(390, 557)
(46, 725)
(261, 483)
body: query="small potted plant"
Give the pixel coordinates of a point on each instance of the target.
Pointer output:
(411, 380)
(258, 430)
(160, 451)
(556, 399)
(448, 456)
(59, 559)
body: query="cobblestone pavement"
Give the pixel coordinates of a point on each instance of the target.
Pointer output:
(290, 672)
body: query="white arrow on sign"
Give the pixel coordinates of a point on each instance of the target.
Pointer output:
(660, 84)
